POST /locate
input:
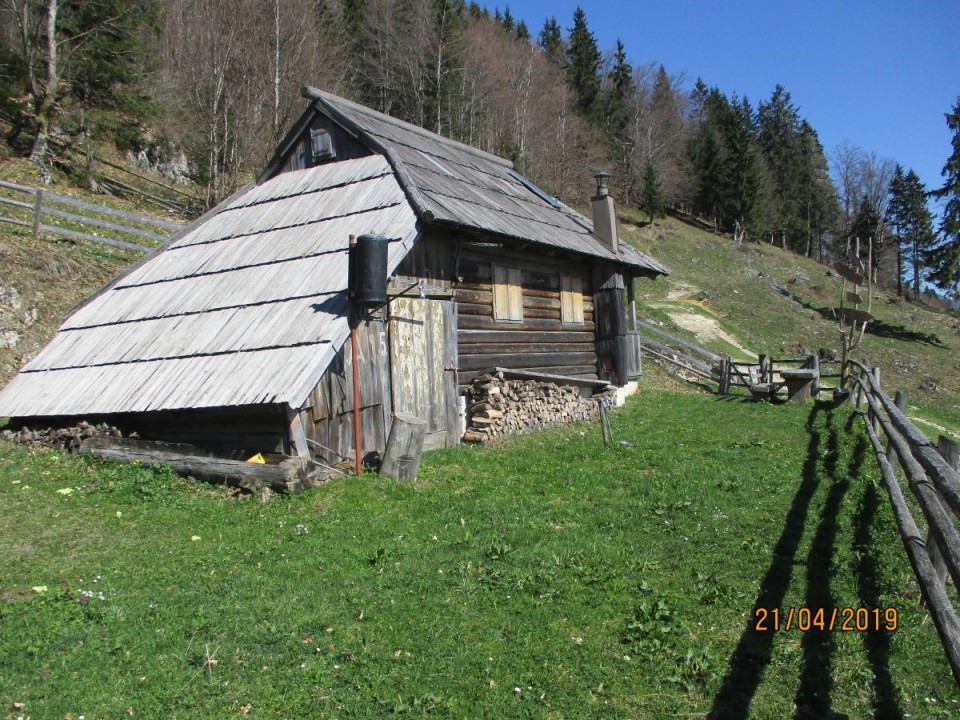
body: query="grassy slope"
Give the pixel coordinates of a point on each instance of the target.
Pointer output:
(542, 578)
(917, 348)
(42, 279)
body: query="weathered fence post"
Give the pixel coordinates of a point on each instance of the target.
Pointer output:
(900, 400)
(950, 452)
(876, 421)
(37, 209)
(724, 387)
(815, 366)
(762, 360)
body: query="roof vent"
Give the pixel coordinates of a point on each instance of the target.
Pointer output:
(321, 145)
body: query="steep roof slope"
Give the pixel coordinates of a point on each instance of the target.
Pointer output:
(455, 184)
(246, 307)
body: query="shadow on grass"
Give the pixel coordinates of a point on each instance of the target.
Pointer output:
(886, 700)
(752, 655)
(878, 328)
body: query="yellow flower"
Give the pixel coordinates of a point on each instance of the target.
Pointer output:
(119, 514)
(39, 589)
(65, 491)
(195, 538)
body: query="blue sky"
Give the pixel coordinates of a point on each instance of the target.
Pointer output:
(879, 75)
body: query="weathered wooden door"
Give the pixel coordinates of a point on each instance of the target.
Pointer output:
(423, 365)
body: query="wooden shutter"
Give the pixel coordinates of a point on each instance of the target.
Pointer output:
(507, 294)
(571, 300)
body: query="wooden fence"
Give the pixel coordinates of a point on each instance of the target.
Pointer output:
(117, 223)
(931, 473)
(729, 375)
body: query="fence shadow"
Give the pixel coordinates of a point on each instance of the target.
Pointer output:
(752, 654)
(819, 645)
(886, 699)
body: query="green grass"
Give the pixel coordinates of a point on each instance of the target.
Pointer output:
(777, 303)
(545, 577)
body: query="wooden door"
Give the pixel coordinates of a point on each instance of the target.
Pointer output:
(423, 365)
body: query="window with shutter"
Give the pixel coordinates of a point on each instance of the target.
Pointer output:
(571, 300)
(507, 294)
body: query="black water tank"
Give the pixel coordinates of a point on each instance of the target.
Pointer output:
(368, 270)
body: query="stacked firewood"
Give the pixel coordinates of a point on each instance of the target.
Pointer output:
(68, 438)
(497, 406)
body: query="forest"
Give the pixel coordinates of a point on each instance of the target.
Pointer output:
(205, 90)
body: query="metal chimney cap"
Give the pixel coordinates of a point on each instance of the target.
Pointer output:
(601, 177)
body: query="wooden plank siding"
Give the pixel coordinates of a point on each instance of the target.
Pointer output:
(328, 417)
(538, 340)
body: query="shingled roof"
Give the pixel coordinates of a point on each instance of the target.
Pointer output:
(453, 184)
(248, 306)
(245, 308)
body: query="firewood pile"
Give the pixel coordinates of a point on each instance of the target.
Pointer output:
(68, 438)
(497, 406)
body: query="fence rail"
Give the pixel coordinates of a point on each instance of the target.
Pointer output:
(44, 203)
(931, 473)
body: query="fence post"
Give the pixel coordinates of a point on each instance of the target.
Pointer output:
(901, 402)
(877, 428)
(815, 366)
(724, 385)
(949, 451)
(37, 209)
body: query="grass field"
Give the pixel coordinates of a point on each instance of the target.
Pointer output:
(780, 304)
(546, 577)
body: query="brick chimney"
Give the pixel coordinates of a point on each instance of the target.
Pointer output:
(604, 214)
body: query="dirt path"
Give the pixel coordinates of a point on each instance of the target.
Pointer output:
(706, 328)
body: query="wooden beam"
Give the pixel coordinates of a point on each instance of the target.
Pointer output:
(298, 438)
(287, 476)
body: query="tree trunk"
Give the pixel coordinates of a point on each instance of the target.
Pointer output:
(45, 97)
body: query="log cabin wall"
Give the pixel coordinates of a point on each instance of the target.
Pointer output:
(327, 418)
(519, 308)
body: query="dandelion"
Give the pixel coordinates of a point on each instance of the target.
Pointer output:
(194, 538)
(39, 589)
(119, 514)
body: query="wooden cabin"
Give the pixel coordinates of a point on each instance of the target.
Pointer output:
(234, 335)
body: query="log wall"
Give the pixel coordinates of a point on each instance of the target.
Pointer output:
(540, 341)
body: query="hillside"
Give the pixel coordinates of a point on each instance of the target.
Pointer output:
(773, 302)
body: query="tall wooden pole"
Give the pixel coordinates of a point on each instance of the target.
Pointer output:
(354, 322)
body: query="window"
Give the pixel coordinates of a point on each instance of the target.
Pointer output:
(571, 300)
(507, 294)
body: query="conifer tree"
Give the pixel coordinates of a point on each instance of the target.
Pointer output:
(651, 194)
(912, 222)
(944, 259)
(618, 110)
(778, 124)
(550, 40)
(583, 63)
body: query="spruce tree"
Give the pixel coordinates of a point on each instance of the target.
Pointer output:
(583, 63)
(778, 123)
(651, 195)
(550, 40)
(944, 260)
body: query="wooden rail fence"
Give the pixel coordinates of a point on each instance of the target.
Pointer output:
(931, 473)
(729, 375)
(118, 223)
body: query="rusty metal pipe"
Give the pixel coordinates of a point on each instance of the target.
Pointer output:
(354, 322)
